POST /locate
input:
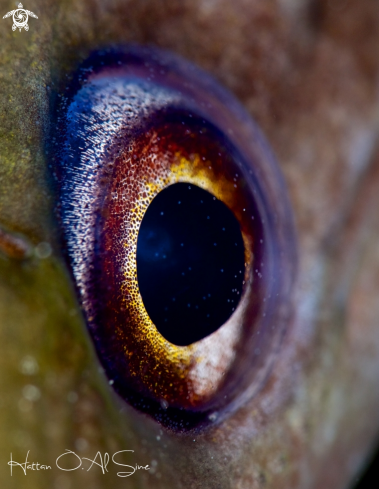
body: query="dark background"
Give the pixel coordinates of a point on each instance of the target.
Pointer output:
(370, 477)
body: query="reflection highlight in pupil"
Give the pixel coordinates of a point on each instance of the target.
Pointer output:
(190, 263)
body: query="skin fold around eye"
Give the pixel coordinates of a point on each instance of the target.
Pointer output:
(136, 121)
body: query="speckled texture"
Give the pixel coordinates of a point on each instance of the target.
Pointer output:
(307, 72)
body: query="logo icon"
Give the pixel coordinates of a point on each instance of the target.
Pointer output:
(20, 18)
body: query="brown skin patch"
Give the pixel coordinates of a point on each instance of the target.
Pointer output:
(308, 75)
(14, 246)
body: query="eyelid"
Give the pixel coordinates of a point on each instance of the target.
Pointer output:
(119, 96)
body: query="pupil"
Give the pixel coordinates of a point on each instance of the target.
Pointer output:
(190, 263)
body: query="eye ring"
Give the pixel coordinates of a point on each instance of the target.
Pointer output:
(170, 91)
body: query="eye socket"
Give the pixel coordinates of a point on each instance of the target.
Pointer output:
(139, 124)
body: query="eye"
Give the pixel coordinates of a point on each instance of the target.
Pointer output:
(178, 233)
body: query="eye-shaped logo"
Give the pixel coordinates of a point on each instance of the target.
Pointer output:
(20, 18)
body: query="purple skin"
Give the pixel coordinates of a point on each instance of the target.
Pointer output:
(308, 74)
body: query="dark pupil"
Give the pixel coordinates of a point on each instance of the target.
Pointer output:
(190, 263)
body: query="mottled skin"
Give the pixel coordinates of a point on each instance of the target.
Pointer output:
(308, 73)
